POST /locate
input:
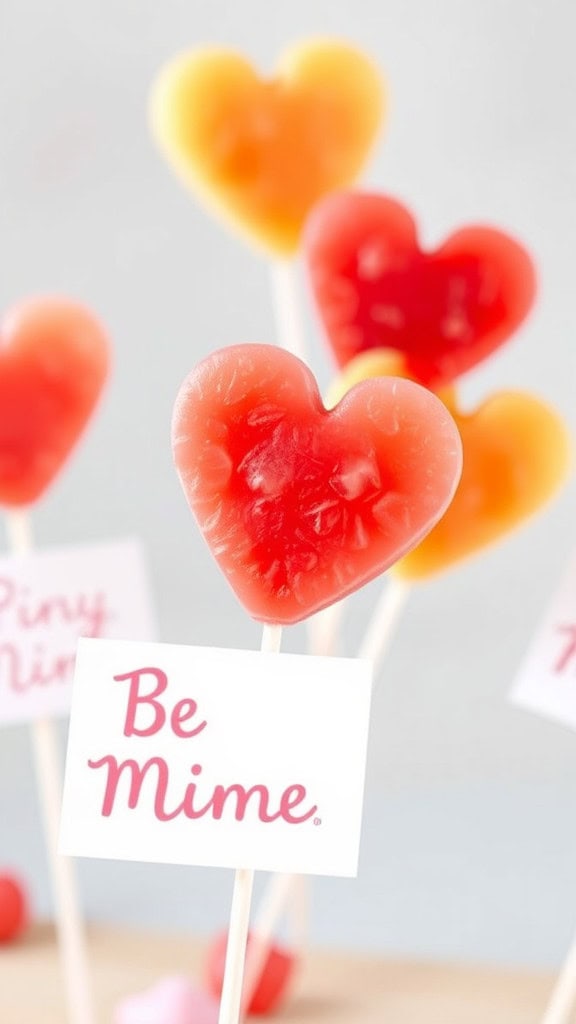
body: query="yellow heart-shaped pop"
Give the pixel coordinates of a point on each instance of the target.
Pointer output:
(263, 152)
(516, 457)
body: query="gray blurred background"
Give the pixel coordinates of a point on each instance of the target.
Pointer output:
(469, 846)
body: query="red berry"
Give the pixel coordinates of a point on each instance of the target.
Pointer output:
(13, 908)
(273, 982)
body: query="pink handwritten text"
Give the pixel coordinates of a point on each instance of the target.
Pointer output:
(26, 663)
(146, 715)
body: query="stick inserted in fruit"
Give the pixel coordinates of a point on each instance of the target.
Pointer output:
(300, 505)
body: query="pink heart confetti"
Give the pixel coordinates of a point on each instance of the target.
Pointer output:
(173, 1000)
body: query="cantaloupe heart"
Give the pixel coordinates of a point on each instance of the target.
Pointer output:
(516, 456)
(264, 152)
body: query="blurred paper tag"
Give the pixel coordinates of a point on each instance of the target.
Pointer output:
(198, 755)
(546, 682)
(51, 598)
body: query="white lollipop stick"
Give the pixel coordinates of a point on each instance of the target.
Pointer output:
(276, 895)
(69, 923)
(561, 1003)
(323, 629)
(289, 328)
(382, 626)
(288, 889)
(231, 1001)
(299, 913)
(284, 894)
(281, 889)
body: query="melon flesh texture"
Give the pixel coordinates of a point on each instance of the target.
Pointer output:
(54, 360)
(444, 311)
(301, 506)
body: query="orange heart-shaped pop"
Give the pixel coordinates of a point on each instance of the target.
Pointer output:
(516, 455)
(54, 360)
(263, 152)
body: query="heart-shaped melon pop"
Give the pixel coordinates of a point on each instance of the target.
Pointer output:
(443, 310)
(516, 456)
(54, 360)
(300, 506)
(264, 152)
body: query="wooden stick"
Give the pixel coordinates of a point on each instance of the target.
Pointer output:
(299, 914)
(561, 1003)
(231, 1001)
(276, 895)
(289, 328)
(382, 625)
(322, 638)
(323, 629)
(69, 923)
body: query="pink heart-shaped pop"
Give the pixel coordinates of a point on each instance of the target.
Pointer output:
(173, 1000)
(299, 505)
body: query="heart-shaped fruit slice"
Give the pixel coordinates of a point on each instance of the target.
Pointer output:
(375, 287)
(54, 361)
(301, 506)
(516, 457)
(264, 152)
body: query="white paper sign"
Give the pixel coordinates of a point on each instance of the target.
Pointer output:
(196, 755)
(546, 682)
(49, 599)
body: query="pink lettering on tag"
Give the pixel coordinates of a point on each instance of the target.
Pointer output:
(146, 716)
(182, 712)
(88, 613)
(235, 796)
(24, 670)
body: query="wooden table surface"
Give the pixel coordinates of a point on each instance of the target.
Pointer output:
(331, 987)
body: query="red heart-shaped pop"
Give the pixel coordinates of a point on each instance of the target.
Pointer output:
(444, 310)
(301, 506)
(53, 364)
